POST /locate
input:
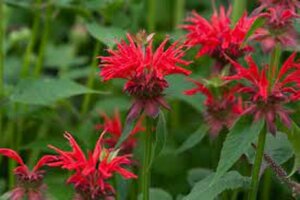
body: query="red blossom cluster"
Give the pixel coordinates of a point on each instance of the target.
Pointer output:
(279, 26)
(222, 106)
(144, 70)
(114, 128)
(92, 172)
(29, 184)
(268, 97)
(219, 37)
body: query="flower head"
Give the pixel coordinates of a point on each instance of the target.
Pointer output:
(114, 129)
(279, 25)
(268, 96)
(29, 183)
(91, 172)
(144, 70)
(217, 37)
(222, 107)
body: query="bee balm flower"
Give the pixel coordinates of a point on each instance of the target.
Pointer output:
(144, 70)
(222, 109)
(217, 37)
(114, 129)
(268, 97)
(92, 172)
(29, 183)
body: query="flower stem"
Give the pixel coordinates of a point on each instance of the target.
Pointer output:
(179, 12)
(146, 174)
(33, 38)
(1, 60)
(42, 48)
(151, 15)
(91, 80)
(257, 164)
(239, 7)
(274, 64)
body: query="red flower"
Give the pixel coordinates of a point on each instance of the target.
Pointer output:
(29, 183)
(268, 96)
(217, 37)
(114, 128)
(145, 71)
(91, 172)
(279, 27)
(222, 109)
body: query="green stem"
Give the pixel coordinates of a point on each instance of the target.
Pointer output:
(146, 174)
(274, 64)
(1, 60)
(42, 48)
(267, 185)
(91, 80)
(178, 12)
(257, 164)
(151, 4)
(30, 46)
(239, 7)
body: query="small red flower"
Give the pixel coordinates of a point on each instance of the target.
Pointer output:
(269, 96)
(29, 183)
(114, 128)
(222, 109)
(92, 172)
(279, 26)
(145, 71)
(217, 37)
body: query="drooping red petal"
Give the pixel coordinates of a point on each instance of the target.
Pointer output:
(12, 154)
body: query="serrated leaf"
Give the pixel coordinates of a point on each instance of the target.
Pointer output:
(157, 194)
(278, 147)
(238, 141)
(194, 139)
(106, 35)
(197, 174)
(294, 138)
(47, 91)
(203, 190)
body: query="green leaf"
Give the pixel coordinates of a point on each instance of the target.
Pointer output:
(126, 132)
(294, 138)
(237, 142)
(161, 134)
(157, 194)
(193, 139)
(197, 174)
(259, 22)
(203, 190)
(278, 147)
(5, 196)
(106, 35)
(47, 91)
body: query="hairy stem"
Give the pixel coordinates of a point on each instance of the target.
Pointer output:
(146, 173)
(257, 164)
